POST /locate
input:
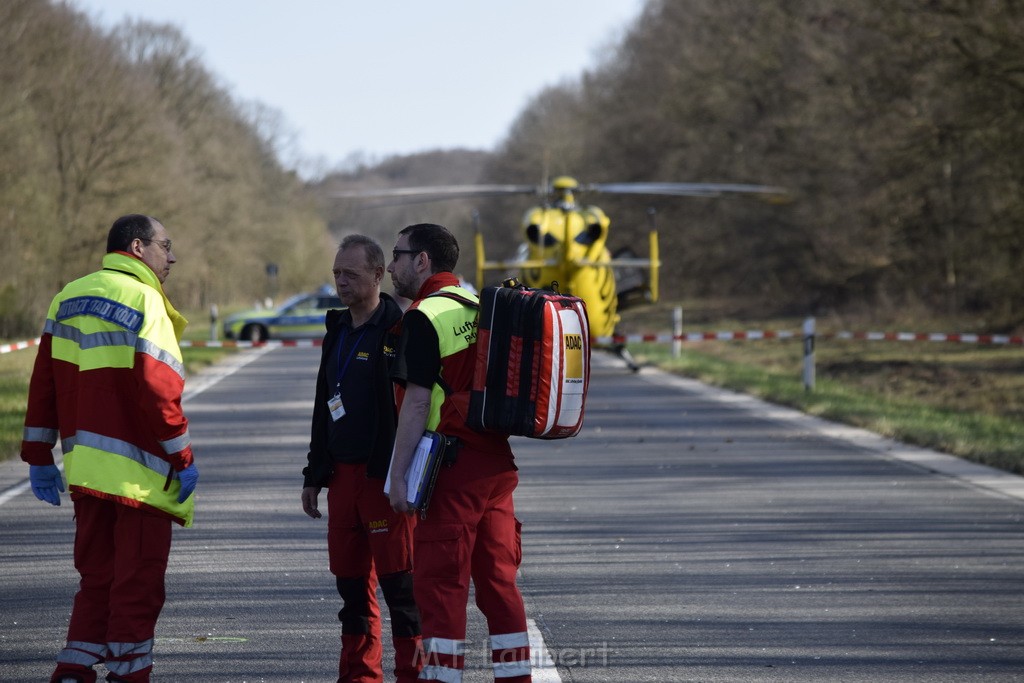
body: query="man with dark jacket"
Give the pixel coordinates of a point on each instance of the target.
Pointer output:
(353, 431)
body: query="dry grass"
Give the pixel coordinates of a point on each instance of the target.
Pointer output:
(965, 399)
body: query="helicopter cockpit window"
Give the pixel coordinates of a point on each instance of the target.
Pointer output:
(534, 236)
(590, 235)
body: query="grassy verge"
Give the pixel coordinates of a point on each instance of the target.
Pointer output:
(16, 369)
(961, 399)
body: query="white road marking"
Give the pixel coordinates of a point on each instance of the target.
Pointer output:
(14, 491)
(543, 667)
(215, 373)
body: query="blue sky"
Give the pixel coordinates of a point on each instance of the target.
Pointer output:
(358, 77)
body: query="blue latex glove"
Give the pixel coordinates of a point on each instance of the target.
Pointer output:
(188, 478)
(46, 482)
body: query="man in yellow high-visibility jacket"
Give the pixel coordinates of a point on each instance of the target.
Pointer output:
(108, 381)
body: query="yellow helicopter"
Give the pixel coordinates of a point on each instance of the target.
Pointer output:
(566, 243)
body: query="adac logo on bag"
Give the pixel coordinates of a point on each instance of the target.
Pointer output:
(573, 345)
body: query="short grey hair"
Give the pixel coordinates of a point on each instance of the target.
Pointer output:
(371, 248)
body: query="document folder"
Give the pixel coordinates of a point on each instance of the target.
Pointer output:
(422, 473)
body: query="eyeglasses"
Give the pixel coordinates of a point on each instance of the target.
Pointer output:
(166, 244)
(395, 253)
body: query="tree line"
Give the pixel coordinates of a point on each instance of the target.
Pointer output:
(895, 125)
(96, 124)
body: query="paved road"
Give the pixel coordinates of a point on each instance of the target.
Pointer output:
(687, 535)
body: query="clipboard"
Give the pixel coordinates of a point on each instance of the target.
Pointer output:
(432, 451)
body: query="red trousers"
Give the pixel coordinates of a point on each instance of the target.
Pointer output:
(471, 532)
(121, 554)
(367, 543)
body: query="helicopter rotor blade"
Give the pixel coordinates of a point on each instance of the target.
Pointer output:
(432, 193)
(428, 193)
(684, 189)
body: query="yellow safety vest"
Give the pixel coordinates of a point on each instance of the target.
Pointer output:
(456, 326)
(119, 333)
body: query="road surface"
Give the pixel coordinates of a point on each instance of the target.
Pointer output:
(688, 534)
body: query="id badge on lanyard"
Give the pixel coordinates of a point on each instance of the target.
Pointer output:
(334, 403)
(336, 407)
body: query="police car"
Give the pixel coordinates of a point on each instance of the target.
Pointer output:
(300, 317)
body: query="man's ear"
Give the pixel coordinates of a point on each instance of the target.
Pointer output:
(135, 247)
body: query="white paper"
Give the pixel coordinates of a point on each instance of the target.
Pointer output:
(414, 476)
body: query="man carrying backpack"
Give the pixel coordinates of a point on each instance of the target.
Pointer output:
(471, 530)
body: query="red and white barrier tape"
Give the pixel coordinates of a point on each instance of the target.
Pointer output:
(998, 339)
(1015, 340)
(696, 336)
(17, 346)
(787, 334)
(273, 343)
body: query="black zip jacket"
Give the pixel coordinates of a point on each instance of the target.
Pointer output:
(320, 463)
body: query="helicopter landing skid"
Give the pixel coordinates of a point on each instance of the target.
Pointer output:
(622, 352)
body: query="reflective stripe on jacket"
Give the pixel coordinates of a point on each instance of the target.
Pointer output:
(108, 381)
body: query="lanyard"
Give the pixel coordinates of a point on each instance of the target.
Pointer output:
(352, 352)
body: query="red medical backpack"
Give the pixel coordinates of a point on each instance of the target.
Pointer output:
(532, 363)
